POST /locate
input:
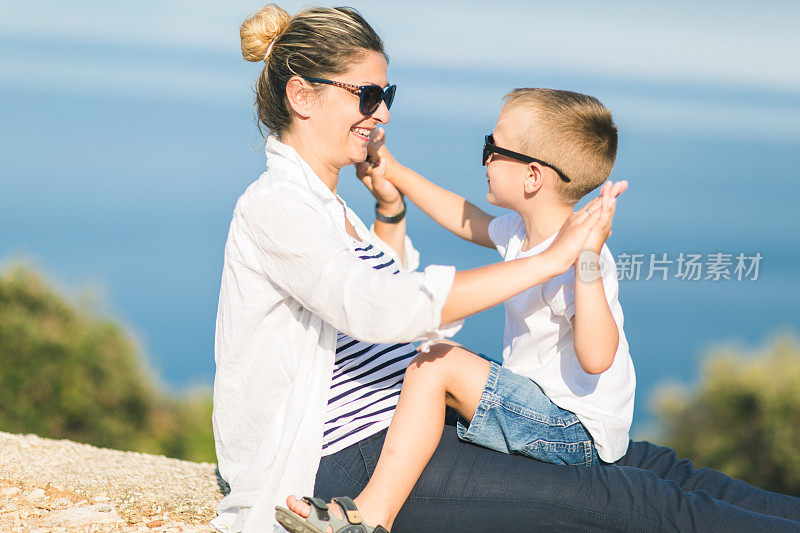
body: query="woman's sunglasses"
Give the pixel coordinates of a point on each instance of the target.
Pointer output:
(370, 96)
(490, 148)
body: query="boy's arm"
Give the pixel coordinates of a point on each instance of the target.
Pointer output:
(450, 210)
(594, 330)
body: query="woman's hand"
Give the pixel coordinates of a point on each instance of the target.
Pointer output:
(574, 234)
(571, 238)
(372, 174)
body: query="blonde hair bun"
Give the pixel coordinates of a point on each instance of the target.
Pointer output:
(260, 29)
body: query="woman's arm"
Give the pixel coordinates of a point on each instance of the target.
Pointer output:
(303, 254)
(480, 288)
(392, 233)
(301, 251)
(389, 202)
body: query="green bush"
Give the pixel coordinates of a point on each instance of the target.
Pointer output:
(744, 417)
(64, 373)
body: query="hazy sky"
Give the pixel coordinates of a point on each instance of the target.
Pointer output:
(728, 67)
(736, 43)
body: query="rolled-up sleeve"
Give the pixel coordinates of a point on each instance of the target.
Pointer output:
(410, 261)
(299, 251)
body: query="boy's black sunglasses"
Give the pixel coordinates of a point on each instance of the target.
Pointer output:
(370, 96)
(490, 148)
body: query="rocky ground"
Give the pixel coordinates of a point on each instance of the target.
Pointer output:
(62, 486)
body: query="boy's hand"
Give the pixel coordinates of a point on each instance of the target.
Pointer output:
(372, 174)
(602, 229)
(376, 149)
(378, 152)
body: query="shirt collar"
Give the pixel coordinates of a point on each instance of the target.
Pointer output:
(306, 177)
(539, 248)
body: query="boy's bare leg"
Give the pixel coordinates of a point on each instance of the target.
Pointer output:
(447, 375)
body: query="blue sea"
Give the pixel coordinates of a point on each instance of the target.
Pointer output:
(129, 196)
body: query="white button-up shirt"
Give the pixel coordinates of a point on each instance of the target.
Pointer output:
(289, 283)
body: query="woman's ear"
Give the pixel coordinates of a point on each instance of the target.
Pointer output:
(300, 95)
(535, 178)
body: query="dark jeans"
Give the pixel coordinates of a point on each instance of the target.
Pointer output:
(467, 488)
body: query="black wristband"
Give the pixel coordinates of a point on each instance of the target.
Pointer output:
(394, 219)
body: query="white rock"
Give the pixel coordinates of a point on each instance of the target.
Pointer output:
(9, 492)
(83, 517)
(36, 494)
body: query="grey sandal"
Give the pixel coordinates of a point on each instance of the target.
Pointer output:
(320, 518)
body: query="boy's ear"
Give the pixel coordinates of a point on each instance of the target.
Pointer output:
(300, 95)
(535, 178)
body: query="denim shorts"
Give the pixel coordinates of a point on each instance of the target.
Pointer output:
(515, 416)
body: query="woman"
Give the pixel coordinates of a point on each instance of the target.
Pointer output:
(313, 328)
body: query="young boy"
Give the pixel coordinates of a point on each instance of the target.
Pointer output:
(564, 393)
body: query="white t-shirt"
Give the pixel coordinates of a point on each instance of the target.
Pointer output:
(537, 343)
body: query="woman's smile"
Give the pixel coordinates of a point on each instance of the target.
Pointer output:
(361, 132)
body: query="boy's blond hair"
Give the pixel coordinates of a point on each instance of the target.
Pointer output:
(571, 131)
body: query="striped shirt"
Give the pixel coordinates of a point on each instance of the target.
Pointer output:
(366, 377)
